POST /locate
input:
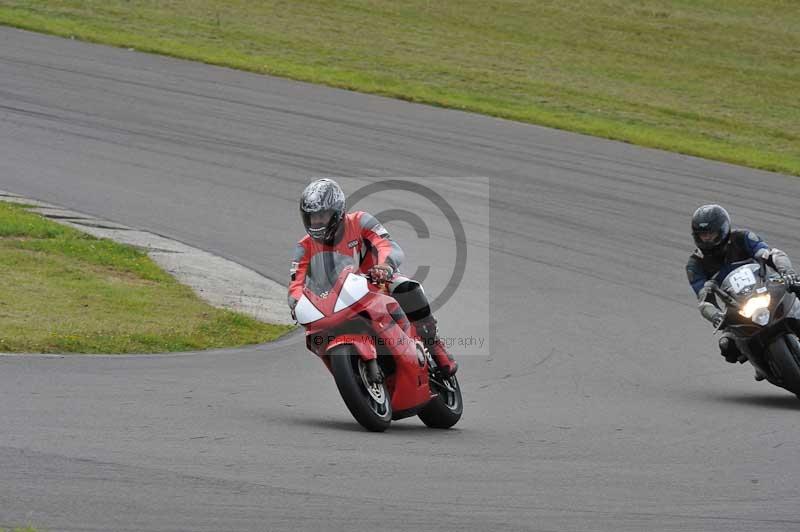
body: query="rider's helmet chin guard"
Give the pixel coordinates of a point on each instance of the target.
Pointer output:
(323, 197)
(711, 229)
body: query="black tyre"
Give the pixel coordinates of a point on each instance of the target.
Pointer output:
(785, 361)
(445, 410)
(370, 405)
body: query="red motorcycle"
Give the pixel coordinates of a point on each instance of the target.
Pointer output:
(351, 322)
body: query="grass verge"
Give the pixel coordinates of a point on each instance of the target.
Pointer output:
(707, 78)
(67, 292)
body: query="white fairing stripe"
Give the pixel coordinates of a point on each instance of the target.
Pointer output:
(354, 288)
(306, 312)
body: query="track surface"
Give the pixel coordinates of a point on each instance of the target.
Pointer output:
(603, 405)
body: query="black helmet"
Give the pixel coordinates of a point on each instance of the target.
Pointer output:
(711, 228)
(323, 196)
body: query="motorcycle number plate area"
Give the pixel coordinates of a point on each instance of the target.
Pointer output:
(742, 279)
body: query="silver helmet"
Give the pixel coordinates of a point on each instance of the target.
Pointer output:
(324, 198)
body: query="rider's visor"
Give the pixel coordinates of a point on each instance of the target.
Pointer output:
(709, 237)
(320, 219)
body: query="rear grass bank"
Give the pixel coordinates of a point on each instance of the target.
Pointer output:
(67, 292)
(715, 79)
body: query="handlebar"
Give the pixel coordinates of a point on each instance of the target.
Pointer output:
(728, 299)
(383, 286)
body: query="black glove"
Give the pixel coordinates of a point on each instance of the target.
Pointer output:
(790, 278)
(731, 358)
(292, 305)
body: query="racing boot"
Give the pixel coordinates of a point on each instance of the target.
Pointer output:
(728, 349)
(428, 331)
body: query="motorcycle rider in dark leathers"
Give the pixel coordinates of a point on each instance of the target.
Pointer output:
(718, 247)
(330, 227)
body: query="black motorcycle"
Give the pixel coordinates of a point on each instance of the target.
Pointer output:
(763, 312)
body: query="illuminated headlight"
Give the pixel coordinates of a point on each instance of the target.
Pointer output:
(761, 316)
(753, 304)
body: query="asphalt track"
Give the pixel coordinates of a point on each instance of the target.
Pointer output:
(601, 404)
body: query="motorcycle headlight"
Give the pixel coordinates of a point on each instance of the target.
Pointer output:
(761, 317)
(753, 304)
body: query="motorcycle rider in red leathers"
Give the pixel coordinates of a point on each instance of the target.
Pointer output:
(331, 228)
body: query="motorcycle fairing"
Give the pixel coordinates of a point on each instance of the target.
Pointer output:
(363, 343)
(756, 340)
(794, 311)
(368, 324)
(306, 312)
(353, 289)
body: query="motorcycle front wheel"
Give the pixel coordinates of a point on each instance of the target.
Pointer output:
(369, 404)
(443, 411)
(785, 361)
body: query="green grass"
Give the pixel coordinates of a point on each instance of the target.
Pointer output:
(703, 77)
(20, 529)
(67, 292)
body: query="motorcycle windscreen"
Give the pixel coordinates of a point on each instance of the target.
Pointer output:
(324, 270)
(741, 280)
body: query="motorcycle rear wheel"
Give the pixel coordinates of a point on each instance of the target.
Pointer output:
(369, 405)
(445, 410)
(785, 361)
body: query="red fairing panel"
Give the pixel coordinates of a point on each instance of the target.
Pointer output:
(408, 386)
(364, 344)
